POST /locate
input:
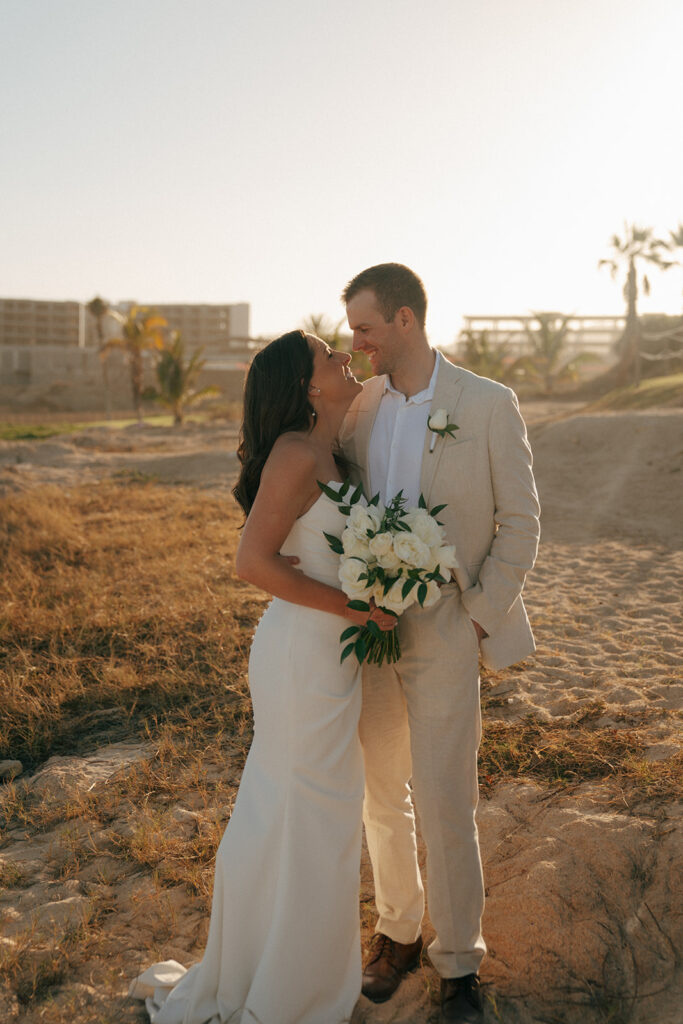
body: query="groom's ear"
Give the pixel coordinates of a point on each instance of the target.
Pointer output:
(406, 317)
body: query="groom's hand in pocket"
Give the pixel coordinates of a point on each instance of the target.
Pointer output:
(480, 631)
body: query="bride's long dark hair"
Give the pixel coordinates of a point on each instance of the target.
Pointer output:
(275, 401)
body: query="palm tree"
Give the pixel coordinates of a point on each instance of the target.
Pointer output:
(638, 246)
(478, 354)
(140, 330)
(322, 327)
(177, 377)
(99, 309)
(547, 358)
(675, 241)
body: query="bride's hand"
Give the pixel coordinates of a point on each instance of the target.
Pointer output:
(385, 620)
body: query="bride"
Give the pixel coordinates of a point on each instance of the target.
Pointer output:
(284, 936)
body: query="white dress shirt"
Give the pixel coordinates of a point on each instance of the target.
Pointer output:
(397, 441)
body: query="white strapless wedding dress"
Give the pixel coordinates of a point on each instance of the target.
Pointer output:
(284, 936)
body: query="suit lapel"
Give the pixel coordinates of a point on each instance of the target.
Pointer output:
(449, 385)
(358, 425)
(360, 420)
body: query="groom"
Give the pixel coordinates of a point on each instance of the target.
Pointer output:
(421, 724)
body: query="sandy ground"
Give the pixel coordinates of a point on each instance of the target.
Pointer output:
(580, 914)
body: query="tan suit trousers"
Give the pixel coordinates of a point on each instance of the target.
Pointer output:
(421, 721)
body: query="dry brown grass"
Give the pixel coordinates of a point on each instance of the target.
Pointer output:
(118, 611)
(120, 617)
(574, 749)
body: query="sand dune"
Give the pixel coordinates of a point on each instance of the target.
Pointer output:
(201, 456)
(611, 476)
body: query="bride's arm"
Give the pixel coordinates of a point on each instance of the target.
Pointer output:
(288, 484)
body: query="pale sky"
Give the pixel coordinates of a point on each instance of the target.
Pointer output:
(265, 151)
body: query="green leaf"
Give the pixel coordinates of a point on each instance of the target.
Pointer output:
(437, 508)
(422, 593)
(334, 543)
(422, 503)
(348, 632)
(361, 648)
(344, 509)
(358, 606)
(374, 629)
(451, 428)
(344, 487)
(388, 584)
(407, 587)
(357, 494)
(374, 500)
(345, 653)
(328, 491)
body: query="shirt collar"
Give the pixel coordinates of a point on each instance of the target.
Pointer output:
(421, 397)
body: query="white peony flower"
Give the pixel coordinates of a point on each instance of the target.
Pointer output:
(381, 544)
(433, 594)
(412, 550)
(349, 571)
(362, 519)
(390, 562)
(438, 420)
(425, 527)
(446, 557)
(433, 558)
(354, 546)
(394, 601)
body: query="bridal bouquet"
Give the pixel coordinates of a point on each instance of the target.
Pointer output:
(394, 555)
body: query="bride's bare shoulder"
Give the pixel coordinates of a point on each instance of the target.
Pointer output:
(293, 454)
(294, 444)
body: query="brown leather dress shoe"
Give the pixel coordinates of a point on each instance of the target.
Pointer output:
(461, 1000)
(388, 963)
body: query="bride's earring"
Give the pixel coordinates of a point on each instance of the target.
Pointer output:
(312, 390)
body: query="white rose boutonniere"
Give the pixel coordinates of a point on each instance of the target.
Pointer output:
(440, 427)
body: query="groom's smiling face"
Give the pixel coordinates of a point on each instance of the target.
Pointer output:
(381, 342)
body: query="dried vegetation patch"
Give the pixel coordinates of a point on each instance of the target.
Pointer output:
(118, 610)
(577, 748)
(121, 620)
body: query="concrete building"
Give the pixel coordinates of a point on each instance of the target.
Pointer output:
(39, 322)
(212, 327)
(49, 352)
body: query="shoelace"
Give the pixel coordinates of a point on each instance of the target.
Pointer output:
(380, 942)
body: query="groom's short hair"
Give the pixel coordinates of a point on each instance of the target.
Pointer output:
(394, 286)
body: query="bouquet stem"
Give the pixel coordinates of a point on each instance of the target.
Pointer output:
(388, 648)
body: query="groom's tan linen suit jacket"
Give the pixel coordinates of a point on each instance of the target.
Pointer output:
(483, 474)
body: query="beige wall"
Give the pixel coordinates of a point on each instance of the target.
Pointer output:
(39, 322)
(61, 378)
